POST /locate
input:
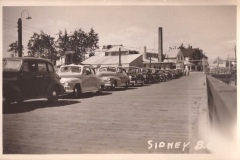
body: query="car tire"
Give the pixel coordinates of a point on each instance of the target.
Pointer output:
(114, 84)
(53, 95)
(100, 90)
(76, 91)
(126, 84)
(142, 84)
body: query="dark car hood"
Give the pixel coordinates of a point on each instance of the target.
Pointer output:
(8, 75)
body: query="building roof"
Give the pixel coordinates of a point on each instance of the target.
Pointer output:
(102, 59)
(123, 48)
(148, 60)
(187, 52)
(172, 53)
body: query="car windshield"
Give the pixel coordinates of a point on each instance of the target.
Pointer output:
(144, 70)
(11, 65)
(130, 69)
(107, 69)
(70, 69)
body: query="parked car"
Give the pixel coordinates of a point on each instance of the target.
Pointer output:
(135, 75)
(114, 76)
(172, 73)
(156, 75)
(29, 78)
(163, 77)
(167, 74)
(78, 79)
(148, 76)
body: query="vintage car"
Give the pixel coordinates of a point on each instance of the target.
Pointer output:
(29, 78)
(156, 75)
(172, 73)
(163, 77)
(135, 75)
(78, 79)
(148, 76)
(114, 76)
(167, 74)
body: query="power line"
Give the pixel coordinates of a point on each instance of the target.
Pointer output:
(23, 25)
(9, 25)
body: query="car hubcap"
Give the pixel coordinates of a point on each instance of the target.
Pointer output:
(54, 93)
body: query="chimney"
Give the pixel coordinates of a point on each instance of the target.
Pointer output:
(144, 52)
(160, 44)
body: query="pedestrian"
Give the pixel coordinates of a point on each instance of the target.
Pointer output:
(185, 72)
(188, 72)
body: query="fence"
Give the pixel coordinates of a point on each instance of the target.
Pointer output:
(222, 104)
(229, 76)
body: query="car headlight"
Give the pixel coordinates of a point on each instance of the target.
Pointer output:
(130, 77)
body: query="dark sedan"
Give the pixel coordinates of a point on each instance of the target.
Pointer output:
(135, 75)
(148, 76)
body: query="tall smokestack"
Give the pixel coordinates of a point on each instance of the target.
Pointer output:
(160, 44)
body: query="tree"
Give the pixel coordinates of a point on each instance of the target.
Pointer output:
(92, 40)
(197, 56)
(14, 47)
(182, 46)
(42, 45)
(62, 42)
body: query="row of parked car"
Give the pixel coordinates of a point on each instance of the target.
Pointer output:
(30, 78)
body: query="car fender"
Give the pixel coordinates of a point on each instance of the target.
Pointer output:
(53, 84)
(11, 91)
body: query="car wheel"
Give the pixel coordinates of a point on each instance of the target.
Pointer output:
(76, 91)
(100, 90)
(114, 84)
(53, 95)
(142, 82)
(126, 84)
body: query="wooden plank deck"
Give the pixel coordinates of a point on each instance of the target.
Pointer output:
(120, 121)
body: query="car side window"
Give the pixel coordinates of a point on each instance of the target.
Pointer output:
(26, 67)
(92, 71)
(42, 68)
(119, 70)
(86, 71)
(32, 67)
(50, 68)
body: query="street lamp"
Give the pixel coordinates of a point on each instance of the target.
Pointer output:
(20, 33)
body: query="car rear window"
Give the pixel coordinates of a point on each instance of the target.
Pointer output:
(107, 69)
(66, 69)
(42, 67)
(11, 65)
(133, 70)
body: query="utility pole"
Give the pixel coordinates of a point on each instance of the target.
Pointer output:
(228, 64)
(120, 57)
(20, 33)
(150, 60)
(19, 37)
(218, 61)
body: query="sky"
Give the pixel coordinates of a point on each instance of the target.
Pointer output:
(210, 28)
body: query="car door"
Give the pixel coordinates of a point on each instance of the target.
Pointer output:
(42, 78)
(95, 80)
(27, 83)
(120, 75)
(87, 79)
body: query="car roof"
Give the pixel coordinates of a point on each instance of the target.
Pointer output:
(77, 65)
(27, 59)
(132, 67)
